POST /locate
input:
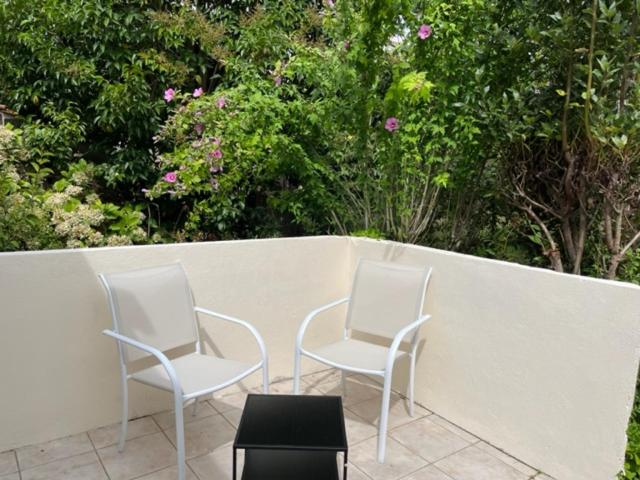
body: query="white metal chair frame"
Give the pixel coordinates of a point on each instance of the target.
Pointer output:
(180, 399)
(412, 328)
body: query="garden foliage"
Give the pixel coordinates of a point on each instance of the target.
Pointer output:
(502, 128)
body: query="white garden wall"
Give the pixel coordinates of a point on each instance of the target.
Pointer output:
(540, 364)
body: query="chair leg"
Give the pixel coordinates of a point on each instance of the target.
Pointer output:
(265, 378)
(384, 417)
(194, 411)
(410, 387)
(125, 414)
(180, 436)
(296, 372)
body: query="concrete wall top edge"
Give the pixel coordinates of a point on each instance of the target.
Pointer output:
(582, 278)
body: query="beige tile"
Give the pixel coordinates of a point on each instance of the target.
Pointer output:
(472, 463)
(398, 411)
(508, 459)
(428, 473)
(224, 403)
(399, 460)
(356, 392)
(34, 455)
(542, 476)
(286, 388)
(167, 419)
(8, 463)
(85, 466)
(11, 476)
(217, 465)
(357, 428)
(109, 435)
(352, 474)
(453, 428)
(330, 375)
(233, 416)
(170, 473)
(428, 439)
(205, 435)
(141, 456)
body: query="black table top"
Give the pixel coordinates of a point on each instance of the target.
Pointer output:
(292, 422)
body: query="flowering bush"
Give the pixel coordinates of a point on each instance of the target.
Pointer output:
(35, 216)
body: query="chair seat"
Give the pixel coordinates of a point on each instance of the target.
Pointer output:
(196, 373)
(356, 354)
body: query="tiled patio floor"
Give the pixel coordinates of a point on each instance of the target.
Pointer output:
(423, 447)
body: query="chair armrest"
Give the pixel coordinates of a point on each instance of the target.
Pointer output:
(314, 313)
(397, 340)
(166, 363)
(245, 324)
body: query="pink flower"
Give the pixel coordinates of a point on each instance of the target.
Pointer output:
(391, 125)
(221, 102)
(216, 153)
(329, 3)
(169, 94)
(216, 141)
(171, 177)
(346, 45)
(199, 128)
(425, 31)
(278, 81)
(198, 92)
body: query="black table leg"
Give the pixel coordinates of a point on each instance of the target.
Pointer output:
(234, 463)
(346, 460)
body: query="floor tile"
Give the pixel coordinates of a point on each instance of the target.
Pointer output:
(109, 435)
(398, 411)
(170, 473)
(356, 392)
(141, 456)
(11, 476)
(285, 387)
(428, 439)
(472, 463)
(85, 466)
(454, 428)
(357, 428)
(542, 476)
(205, 435)
(233, 417)
(8, 463)
(330, 375)
(224, 403)
(508, 459)
(353, 473)
(167, 419)
(34, 455)
(217, 465)
(428, 473)
(399, 460)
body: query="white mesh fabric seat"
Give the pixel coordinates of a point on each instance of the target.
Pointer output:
(355, 353)
(196, 372)
(386, 300)
(153, 311)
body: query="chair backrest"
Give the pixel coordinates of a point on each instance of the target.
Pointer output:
(153, 306)
(386, 297)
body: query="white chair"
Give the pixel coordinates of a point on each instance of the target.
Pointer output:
(386, 300)
(153, 311)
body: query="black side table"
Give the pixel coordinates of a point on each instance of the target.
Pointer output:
(291, 437)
